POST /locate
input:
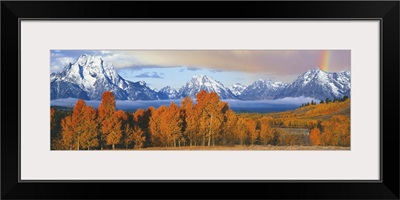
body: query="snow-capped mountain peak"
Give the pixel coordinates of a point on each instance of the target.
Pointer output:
(86, 59)
(169, 91)
(203, 82)
(90, 76)
(237, 88)
(200, 80)
(261, 89)
(318, 84)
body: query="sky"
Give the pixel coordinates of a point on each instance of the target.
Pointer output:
(159, 68)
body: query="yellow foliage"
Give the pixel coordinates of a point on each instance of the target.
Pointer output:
(315, 136)
(336, 131)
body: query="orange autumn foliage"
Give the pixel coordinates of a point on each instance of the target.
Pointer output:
(107, 106)
(211, 115)
(266, 133)
(68, 133)
(326, 108)
(315, 136)
(128, 137)
(166, 126)
(336, 131)
(80, 129)
(110, 121)
(189, 121)
(138, 138)
(112, 129)
(139, 119)
(52, 113)
(157, 135)
(89, 137)
(252, 132)
(207, 122)
(229, 128)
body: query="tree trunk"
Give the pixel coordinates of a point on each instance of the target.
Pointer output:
(101, 142)
(113, 146)
(209, 131)
(204, 139)
(78, 141)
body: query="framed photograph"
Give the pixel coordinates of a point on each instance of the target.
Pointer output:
(115, 97)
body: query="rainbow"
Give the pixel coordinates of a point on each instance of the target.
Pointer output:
(325, 60)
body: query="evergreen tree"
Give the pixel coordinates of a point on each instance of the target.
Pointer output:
(327, 100)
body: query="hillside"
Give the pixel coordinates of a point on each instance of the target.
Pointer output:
(311, 115)
(319, 111)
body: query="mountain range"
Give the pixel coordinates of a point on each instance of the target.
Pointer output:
(90, 76)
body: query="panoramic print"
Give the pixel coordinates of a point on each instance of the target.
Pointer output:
(200, 100)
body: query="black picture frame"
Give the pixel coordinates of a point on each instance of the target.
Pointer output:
(386, 11)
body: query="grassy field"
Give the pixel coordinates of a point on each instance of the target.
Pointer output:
(311, 112)
(252, 148)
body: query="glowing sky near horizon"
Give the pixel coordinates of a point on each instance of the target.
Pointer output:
(159, 68)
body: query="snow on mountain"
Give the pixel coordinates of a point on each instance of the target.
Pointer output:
(318, 84)
(89, 77)
(169, 92)
(237, 88)
(261, 90)
(140, 91)
(203, 82)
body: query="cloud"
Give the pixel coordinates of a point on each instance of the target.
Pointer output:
(193, 68)
(190, 69)
(236, 105)
(121, 60)
(270, 62)
(58, 62)
(142, 67)
(55, 68)
(215, 70)
(66, 60)
(149, 75)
